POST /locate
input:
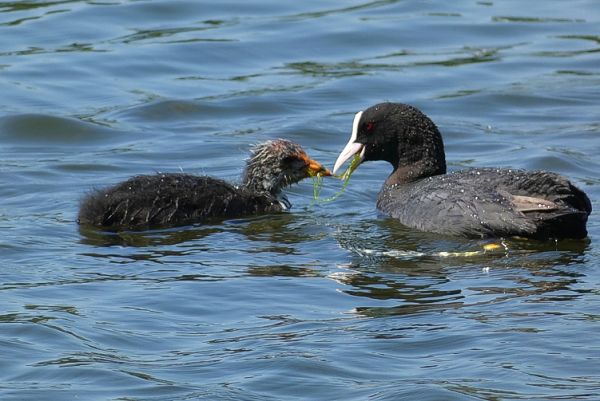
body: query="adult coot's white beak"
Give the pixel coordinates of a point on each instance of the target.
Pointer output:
(352, 147)
(350, 150)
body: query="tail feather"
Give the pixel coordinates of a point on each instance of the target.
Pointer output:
(562, 224)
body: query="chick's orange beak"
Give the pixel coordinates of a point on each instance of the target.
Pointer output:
(315, 168)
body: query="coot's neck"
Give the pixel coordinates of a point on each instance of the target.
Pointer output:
(420, 153)
(404, 174)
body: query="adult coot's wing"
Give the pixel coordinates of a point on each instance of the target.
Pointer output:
(557, 207)
(490, 202)
(547, 187)
(445, 205)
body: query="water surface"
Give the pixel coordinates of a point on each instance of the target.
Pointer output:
(329, 301)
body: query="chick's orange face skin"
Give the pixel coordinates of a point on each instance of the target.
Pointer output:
(313, 166)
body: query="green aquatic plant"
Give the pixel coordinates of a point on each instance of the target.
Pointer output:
(318, 181)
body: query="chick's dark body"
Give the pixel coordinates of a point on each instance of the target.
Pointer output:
(174, 199)
(163, 199)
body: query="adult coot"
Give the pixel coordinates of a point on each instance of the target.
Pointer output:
(478, 202)
(177, 198)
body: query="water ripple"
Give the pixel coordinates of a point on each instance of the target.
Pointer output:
(329, 300)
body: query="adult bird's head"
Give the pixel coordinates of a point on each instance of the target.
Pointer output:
(399, 134)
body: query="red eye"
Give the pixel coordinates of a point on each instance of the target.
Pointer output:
(370, 125)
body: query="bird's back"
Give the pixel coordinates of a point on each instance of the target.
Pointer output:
(490, 203)
(167, 199)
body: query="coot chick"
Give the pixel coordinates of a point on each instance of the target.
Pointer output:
(167, 199)
(474, 203)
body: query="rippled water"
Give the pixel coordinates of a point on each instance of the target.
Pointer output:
(330, 301)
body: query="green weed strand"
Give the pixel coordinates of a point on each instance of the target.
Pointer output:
(318, 183)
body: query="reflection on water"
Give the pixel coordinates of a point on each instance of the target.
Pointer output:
(415, 272)
(406, 272)
(280, 228)
(96, 237)
(284, 271)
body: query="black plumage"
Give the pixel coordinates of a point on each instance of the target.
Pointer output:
(176, 198)
(479, 202)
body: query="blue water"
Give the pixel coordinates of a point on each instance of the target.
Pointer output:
(330, 301)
